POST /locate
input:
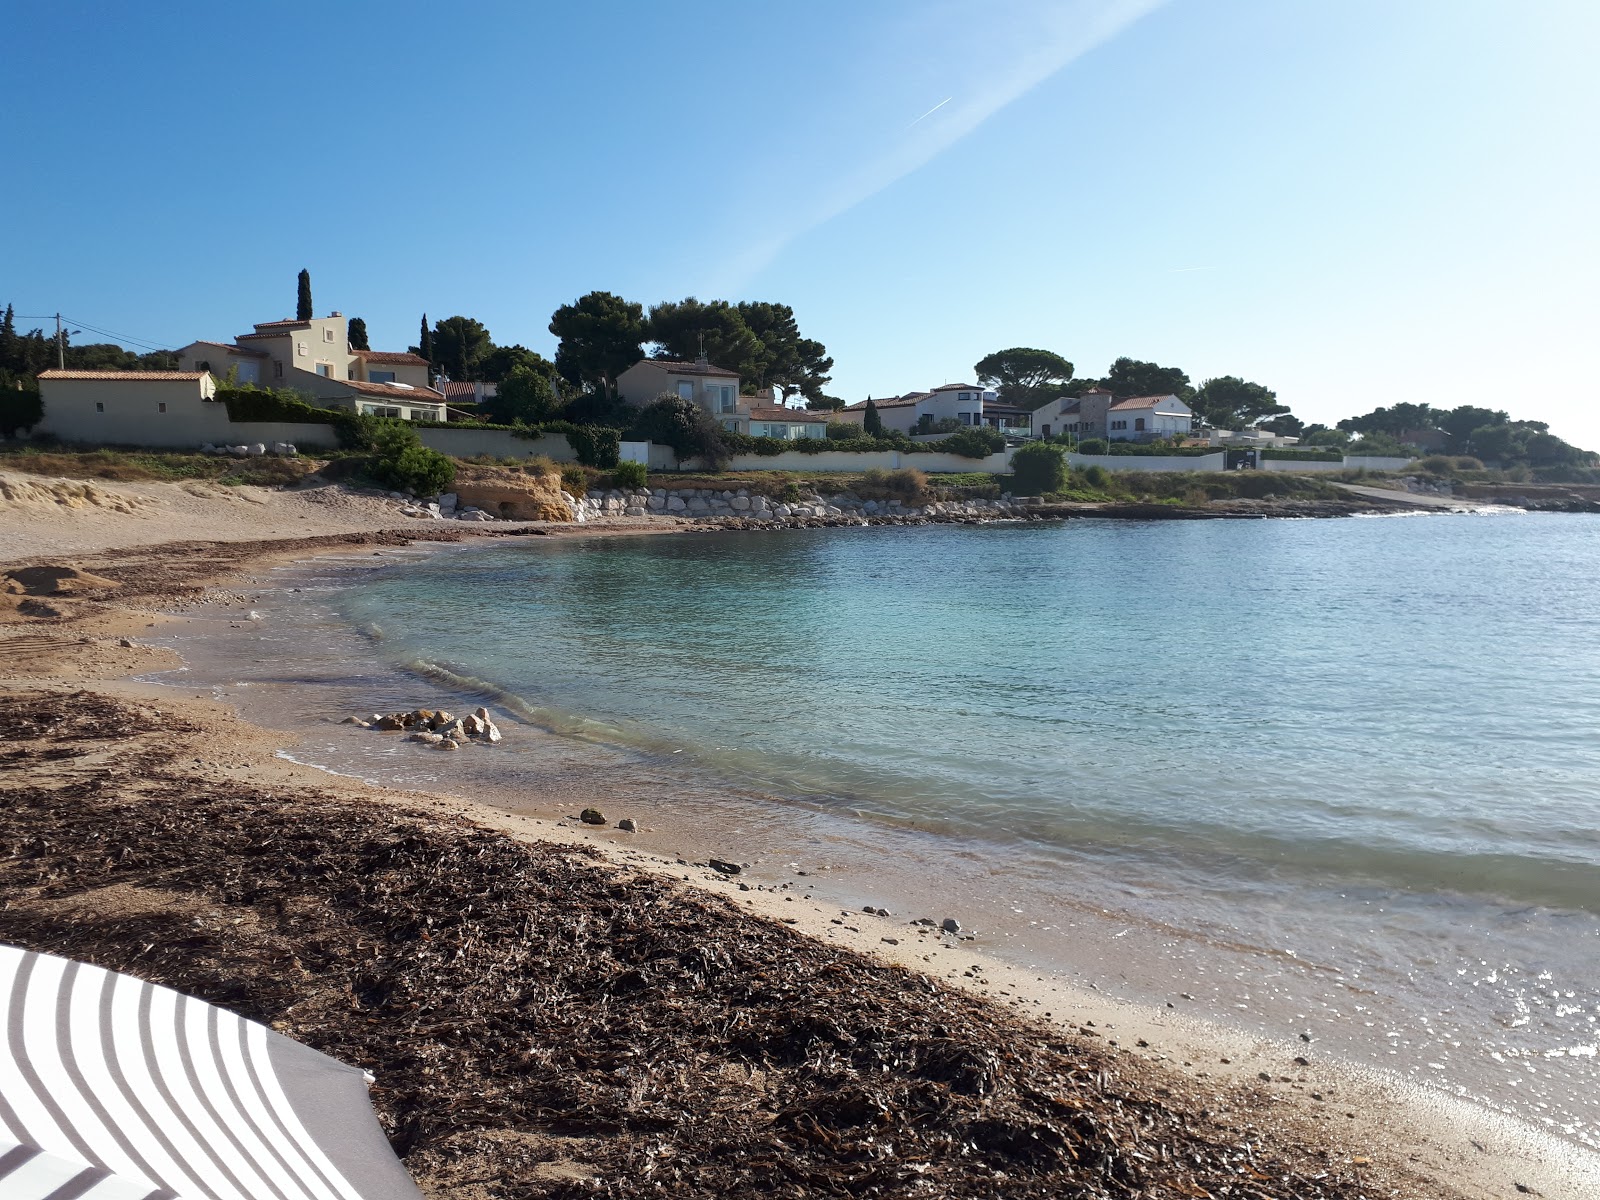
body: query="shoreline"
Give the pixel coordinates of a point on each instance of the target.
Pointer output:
(1425, 1137)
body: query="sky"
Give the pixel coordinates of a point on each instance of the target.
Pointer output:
(1353, 202)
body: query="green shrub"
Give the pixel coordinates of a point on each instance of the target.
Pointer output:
(843, 431)
(1092, 446)
(595, 445)
(683, 425)
(1038, 469)
(574, 480)
(400, 460)
(1305, 455)
(1097, 477)
(629, 475)
(976, 442)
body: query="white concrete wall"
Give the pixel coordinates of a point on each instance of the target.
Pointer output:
(498, 443)
(847, 460)
(1150, 462)
(1349, 463)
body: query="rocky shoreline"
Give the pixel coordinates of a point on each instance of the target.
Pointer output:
(743, 508)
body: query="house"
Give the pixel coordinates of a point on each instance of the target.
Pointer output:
(788, 423)
(961, 403)
(714, 389)
(1099, 414)
(1147, 418)
(1010, 417)
(131, 408)
(314, 356)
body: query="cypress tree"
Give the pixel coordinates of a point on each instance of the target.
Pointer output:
(358, 334)
(871, 422)
(302, 308)
(425, 342)
(8, 341)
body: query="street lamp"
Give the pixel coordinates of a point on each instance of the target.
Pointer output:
(61, 342)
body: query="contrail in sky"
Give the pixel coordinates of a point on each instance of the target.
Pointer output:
(933, 110)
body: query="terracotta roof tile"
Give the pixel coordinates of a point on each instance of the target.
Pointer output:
(794, 416)
(230, 349)
(403, 358)
(420, 395)
(675, 366)
(128, 376)
(1142, 401)
(905, 401)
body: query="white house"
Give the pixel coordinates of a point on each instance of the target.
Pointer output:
(131, 408)
(958, 402)
(1147, 418)
(1099, 414)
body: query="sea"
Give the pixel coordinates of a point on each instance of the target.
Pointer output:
(1332, 778)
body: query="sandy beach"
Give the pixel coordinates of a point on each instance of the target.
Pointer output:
(552, 1009)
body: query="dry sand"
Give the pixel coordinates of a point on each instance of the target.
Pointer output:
(1406, 1141)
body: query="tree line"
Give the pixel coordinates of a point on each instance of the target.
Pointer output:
(1030, 378)
(600, 335)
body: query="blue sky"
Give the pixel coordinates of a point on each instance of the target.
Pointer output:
(1354, 202)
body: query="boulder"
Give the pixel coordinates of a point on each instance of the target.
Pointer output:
(627, 825)
(354, 721)
(592, 816)
(448, 744)
(633, 510)
(390, 723)
(471, 726)
(740, 503)
(257, 449)
(512, 495)
(675, 504)
(448, 500)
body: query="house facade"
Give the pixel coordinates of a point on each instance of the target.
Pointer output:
(1099, 414)
(130, 408)
(790, 424)
(714, 389)
(961, 403)
(315, 356)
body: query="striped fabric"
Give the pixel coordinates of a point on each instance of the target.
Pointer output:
(116, 1089)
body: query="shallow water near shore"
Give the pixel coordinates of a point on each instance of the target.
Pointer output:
(1331, 777)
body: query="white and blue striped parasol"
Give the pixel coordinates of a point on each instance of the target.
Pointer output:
(112, 1088)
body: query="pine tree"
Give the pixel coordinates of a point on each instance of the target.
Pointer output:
(871, 422)
(358, 334)
(302, 309)
(425, 342)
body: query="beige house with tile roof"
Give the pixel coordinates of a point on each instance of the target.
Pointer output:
(314, 356)
(714, 389)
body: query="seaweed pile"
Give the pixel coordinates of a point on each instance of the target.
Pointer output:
(544, 1023)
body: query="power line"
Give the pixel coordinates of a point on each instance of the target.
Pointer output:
(121, 337)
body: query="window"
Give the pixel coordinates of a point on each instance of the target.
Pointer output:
(1044, 431)
(380, 376)
(731, 426)
(277, 369)
(685, 390)
(99, 407)
(300, 349)
(160, 408)
(727, 398)
(325, 370)
(327, 335)
(966, 418)
(1138, 424)
(1119, 424)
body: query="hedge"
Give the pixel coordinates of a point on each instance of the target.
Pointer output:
(250, 404)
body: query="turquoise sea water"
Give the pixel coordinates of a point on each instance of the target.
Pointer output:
(1408, 703)
(1329, 776)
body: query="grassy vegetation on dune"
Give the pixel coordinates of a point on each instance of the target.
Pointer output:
(134, 466)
